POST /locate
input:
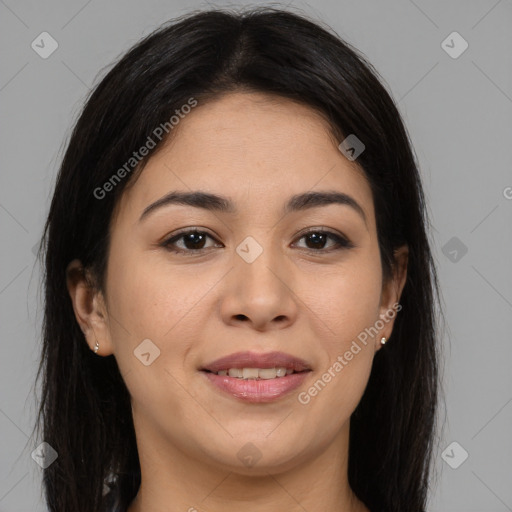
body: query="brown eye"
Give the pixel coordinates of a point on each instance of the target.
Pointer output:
(196, 241)
(192, 240)
(317, 240)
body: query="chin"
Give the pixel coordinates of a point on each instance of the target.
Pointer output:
(257, 457)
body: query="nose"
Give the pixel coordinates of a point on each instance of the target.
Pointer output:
(260, 294)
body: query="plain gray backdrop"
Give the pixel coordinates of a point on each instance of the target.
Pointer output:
(457, 105)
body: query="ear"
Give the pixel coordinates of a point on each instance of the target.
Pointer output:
(391, 293)
(89, 307)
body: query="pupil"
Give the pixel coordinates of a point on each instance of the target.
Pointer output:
(318, 239)
(190, 238)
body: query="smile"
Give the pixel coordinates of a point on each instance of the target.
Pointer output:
(256, 373)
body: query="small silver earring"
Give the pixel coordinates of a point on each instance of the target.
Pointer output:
(383, 341)
(96, 347)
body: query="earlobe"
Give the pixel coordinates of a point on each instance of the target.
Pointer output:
(89, 308)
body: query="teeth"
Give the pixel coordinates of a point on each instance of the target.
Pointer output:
(255, 373)
(250, 373)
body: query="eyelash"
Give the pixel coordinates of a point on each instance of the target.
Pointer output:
(341, 242)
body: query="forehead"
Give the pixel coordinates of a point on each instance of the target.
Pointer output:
(251, 147)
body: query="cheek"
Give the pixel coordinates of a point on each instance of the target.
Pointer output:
(160, 304)
(349, 299)
(150, 296)
(150, 299)
(347, 304)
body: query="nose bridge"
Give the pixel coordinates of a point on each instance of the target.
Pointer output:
(257, 265)
(258, 290)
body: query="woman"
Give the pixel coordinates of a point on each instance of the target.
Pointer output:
(239, 290)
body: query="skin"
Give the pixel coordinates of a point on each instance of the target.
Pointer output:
(199, 306)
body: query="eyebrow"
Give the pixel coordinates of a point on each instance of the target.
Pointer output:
(213, 202)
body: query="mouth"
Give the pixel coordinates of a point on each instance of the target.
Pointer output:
(256, 377)
(256, 373)
(252, 361)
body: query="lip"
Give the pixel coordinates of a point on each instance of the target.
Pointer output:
(260, 390)
(257, 391)
(254, 360)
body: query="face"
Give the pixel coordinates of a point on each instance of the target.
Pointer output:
(188, 285)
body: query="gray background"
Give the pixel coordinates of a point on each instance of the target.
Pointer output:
(459, 115)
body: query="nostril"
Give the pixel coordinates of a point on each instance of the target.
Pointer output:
(240, 317)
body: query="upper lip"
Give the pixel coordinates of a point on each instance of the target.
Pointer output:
(255, 360)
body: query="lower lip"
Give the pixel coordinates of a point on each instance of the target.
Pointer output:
(262, 390)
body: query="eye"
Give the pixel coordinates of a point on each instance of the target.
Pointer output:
(317, 239)
(193, 241)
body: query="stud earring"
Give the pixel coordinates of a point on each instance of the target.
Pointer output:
(96, 347)
(383, 341)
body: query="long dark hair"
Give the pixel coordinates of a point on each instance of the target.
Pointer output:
(85, 412)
